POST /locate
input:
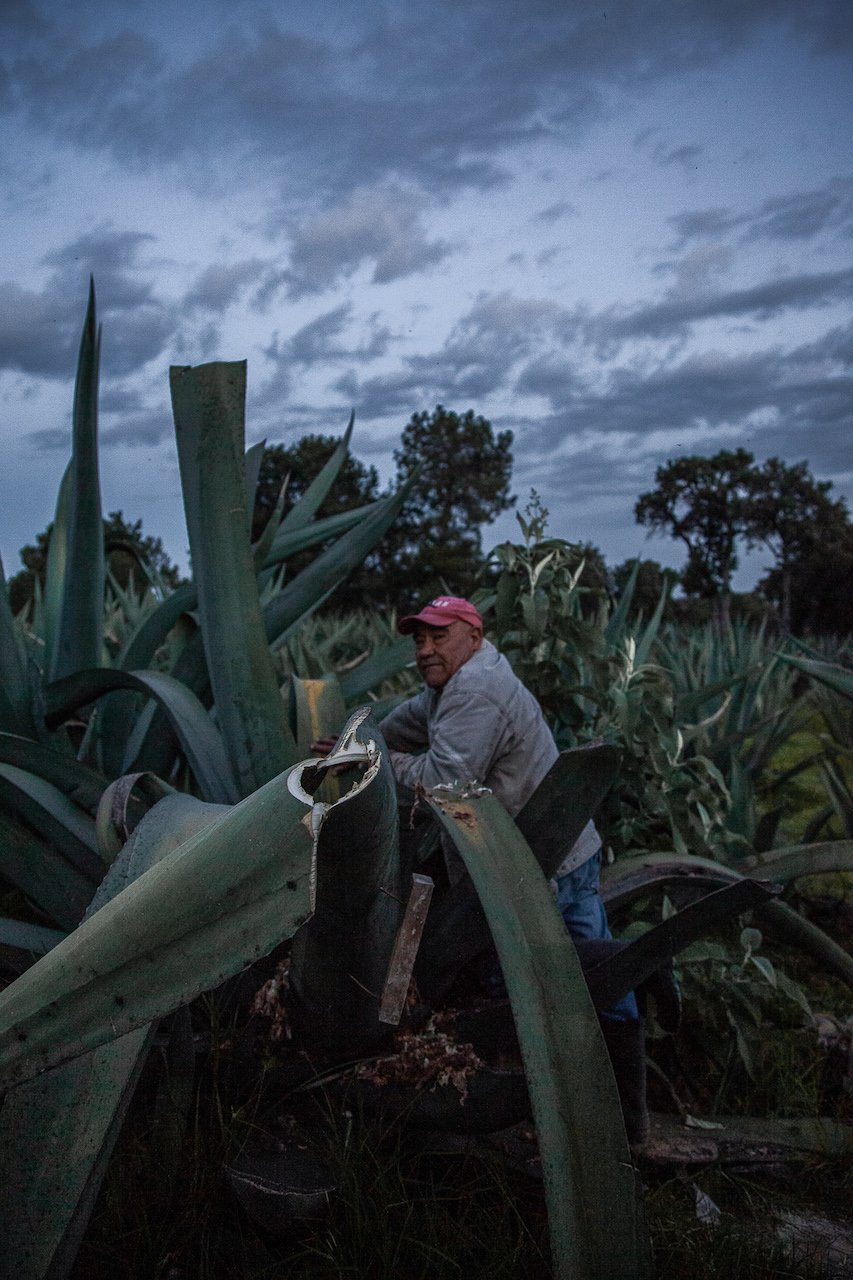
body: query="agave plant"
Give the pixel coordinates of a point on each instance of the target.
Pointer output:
(174, 835)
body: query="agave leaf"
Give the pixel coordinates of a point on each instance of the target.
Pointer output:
(307, 506)
(301, 596)
(618, 620)
(839, 679)
(221, 899)
(54, 816)
(289, 542)
(591, 1189)
(39, 870)
(57, 1132)
(78, 781)
(550, 822)
(340, 958)
(56, 570)
(192, 724)
(208, 403)
(378, 667)
(792, 862)
(630, 876)
(614, 977)
(28, 937)
(320, 710)
(565, 800)
(651, 629)
(252, 460)
(79, 639)
(15, 705)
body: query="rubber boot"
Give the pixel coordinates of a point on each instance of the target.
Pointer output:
(626, 1044)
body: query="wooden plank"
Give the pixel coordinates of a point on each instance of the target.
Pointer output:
(405, 950)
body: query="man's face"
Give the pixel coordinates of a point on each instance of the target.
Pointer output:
(441, 651)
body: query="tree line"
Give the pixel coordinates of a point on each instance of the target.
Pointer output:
(715, 506)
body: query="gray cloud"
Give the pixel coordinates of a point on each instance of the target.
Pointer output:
(40, 329)
(555, 212)
(276, 101)
(761, 301)
(221, 284)
(803, 215)
(380, 226)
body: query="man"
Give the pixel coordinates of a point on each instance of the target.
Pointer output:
(476, 722)
(479, 723)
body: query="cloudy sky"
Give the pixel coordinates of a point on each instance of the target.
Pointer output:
(622, 230)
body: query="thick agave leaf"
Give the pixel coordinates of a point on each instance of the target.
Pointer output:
(79, 638)
(591, 1189)
(339, 960)
(192, 724)
(632, 876)
(49, 811)
(39, 870)
(34, 938)
(840, 679)
(613, 978)
(57, 1132)
(307, 506)
(320, 710)
(378, 667)
(208, 403)
(214, 904)
(550, 822)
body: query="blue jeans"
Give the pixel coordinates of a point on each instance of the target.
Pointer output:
(583, 911)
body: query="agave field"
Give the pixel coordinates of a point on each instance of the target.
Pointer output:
(240, 1028)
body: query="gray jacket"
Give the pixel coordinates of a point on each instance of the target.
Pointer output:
(482, 726)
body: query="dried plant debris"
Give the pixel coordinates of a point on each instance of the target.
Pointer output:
(426, 1059)
(271, 1002)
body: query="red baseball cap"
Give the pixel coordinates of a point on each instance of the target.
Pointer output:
(440, 612)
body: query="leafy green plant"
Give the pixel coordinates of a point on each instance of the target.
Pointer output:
(596, 679)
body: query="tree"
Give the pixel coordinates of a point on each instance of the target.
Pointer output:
(793, 515)
(705, 502)
(127, 549)
(464, 482)
(356, 484)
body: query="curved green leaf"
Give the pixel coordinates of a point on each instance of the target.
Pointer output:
(208, 403)
(634, 875)
(53, 815)
(221, 899)
(592, 1192)
(192, 724)
(79, 782)
(839, 679)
